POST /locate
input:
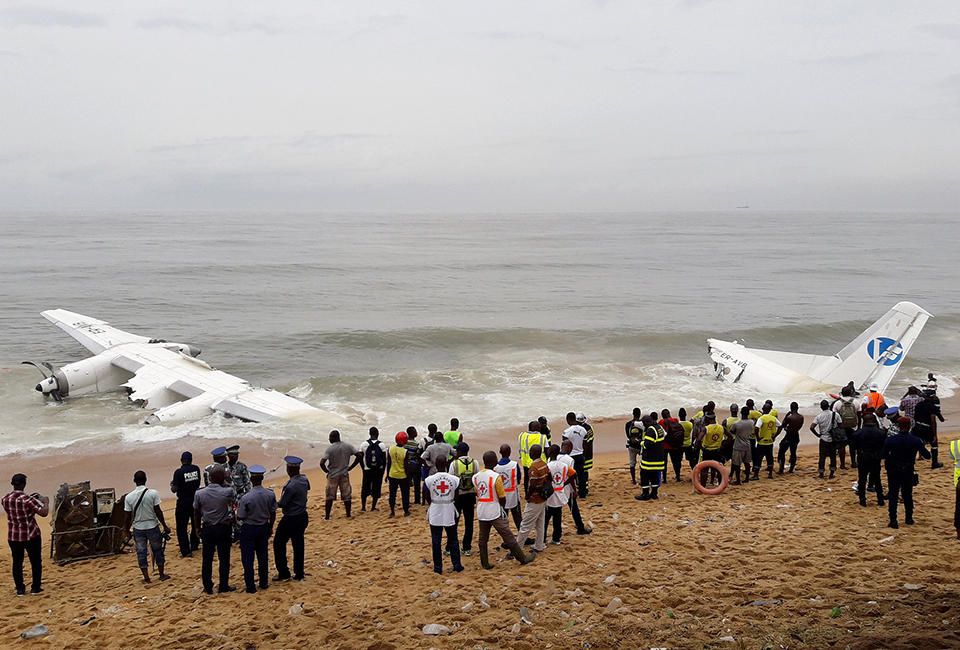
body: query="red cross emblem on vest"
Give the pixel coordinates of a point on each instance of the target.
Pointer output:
(442, 488)
(482, 489)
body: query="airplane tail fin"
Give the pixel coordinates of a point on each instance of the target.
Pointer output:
(876, 355)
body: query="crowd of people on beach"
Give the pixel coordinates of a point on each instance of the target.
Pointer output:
(226, 502)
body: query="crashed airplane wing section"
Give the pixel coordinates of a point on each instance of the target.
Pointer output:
(160, 375)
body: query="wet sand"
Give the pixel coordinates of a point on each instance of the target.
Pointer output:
(792, 562)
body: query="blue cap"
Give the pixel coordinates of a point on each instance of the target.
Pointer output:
(186, 457)
(258, 469)
(892, 410)
(219, 451)
(292, 460)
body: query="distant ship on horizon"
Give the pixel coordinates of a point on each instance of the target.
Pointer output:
(743, 207)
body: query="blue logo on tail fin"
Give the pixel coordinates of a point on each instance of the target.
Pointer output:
(881, 346)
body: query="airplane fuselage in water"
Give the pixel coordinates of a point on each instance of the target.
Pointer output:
(873, 357)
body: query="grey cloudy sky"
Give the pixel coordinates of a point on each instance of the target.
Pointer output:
(550, 105)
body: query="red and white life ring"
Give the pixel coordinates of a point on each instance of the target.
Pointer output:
(710, 464)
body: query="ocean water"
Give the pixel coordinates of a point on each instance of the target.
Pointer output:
(397, 319)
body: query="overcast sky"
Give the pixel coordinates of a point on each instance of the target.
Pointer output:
(504, 106)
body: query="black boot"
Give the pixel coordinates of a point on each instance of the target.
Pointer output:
(518, 553)
(893, 524)
(863, 501)
(653, 492)
(645, 496)
(484, 559)
(934, 452)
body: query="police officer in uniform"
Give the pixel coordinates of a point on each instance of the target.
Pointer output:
(293, 503)
(239, 474)
(219, 460)
(257, 510)
(900, 453)
(213, 505)
(185, 483)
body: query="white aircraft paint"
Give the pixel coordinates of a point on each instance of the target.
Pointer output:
(163, 376)
(873, 357)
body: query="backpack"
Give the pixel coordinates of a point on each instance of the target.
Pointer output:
(674, 436)
(848, 415)
(412, 460)
(466, 468)
(374, 457)
(635, 441)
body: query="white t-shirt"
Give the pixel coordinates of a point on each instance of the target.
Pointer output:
(511, 480)
(145, 518)
(575, 434)
(559, 471)
(443, 489)
(825, 422)
(487, 510)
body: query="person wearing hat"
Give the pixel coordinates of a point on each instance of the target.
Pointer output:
(213, 505)
(23, 533)
(397, 475)
(239, 474)
(257, 511)
(293, 525)
(587, 450)
(874, 400)
(336, 464)
(219, 460)
(185, 483)
(899, 453)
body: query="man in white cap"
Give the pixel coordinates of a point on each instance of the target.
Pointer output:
(257, 511)
(874, 400)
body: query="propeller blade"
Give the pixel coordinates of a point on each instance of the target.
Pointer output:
(31, 363)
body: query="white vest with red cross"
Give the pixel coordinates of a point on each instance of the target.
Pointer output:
(511, 479)
(488, 503)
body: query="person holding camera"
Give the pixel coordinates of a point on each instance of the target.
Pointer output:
(23, 533)
(142, 506)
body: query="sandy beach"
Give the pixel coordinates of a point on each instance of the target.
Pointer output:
(789, 562)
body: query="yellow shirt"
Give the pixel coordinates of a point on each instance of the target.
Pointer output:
(713, 438)
(767, 424)
(398, 458)
(687, 433)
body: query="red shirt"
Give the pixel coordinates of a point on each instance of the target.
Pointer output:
(21, 508)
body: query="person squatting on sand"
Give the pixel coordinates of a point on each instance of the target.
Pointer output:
(142, 508)
(23, 533)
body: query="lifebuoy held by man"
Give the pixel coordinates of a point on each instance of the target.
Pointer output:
(710, 464)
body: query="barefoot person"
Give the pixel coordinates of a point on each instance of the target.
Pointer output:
(23, 533)
(142, 506)
(491, 499)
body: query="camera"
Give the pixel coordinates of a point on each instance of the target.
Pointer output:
(166, 536)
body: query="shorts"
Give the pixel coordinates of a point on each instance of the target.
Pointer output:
(342, 482)
(741, 456)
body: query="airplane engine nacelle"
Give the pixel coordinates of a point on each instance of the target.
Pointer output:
(93, 374)
(191, 409)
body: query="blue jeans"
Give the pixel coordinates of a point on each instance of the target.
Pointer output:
(152, 537)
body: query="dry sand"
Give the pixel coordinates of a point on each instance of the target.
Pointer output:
(789, 562)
